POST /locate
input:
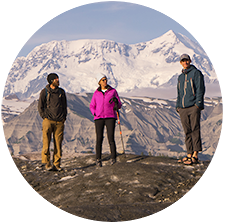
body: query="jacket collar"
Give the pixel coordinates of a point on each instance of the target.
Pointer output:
(185, 71)
(52, 90)
(108, 88)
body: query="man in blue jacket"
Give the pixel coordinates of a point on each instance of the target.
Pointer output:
(190, 102)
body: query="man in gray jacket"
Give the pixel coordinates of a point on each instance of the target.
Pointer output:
(52, 107)
(190, 102)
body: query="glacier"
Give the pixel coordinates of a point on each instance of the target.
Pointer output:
(129, 68)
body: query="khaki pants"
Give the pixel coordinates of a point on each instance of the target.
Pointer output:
(48, 128)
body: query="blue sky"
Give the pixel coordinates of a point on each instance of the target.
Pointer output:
(126, 22)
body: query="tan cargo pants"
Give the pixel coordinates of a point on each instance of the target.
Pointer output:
(48, 128)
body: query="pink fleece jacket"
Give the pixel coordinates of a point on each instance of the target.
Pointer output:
(100, 106)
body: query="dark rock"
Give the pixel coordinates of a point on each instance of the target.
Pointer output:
(12, 97)
(134, 187)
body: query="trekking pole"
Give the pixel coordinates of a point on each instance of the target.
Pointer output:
(114, 99)
(118, 117)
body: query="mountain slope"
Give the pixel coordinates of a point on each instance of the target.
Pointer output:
(149, 126)
(151, 64)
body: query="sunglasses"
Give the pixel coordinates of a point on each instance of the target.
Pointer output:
(104, 80)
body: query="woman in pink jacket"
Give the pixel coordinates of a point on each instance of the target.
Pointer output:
(103, 106)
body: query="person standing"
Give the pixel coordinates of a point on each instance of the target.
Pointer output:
(190, 102)
(52, 107)
(104, 103)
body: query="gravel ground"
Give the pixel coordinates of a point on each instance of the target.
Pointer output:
(134, 187)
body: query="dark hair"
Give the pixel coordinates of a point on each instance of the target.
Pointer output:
(51, 77)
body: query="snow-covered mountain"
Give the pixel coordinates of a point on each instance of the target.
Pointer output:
(144, 65)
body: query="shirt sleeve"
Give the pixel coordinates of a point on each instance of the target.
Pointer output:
(65, 104)
(119, 101)
(42, 104)
(93, 105)
(178, 95)
(200, 89)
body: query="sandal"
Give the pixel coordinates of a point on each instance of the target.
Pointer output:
(184, 159)
(194, 160)
(189, 160)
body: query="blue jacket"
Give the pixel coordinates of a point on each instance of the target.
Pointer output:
(190, 88)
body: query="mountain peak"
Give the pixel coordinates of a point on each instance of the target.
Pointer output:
(128, 67)
(185, 45)
(170, 32)
(169, 35)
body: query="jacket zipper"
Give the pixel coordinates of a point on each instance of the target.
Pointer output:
(103, 105)
(185, 90)
(192, 87)
(104, 102)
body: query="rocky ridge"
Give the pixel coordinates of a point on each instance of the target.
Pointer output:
(134, 187)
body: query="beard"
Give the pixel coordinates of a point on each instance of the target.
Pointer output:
(55, 83)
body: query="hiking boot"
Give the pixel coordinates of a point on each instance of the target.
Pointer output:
(98, 163)
(48, 166)
(57, 168)
(113, 161)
